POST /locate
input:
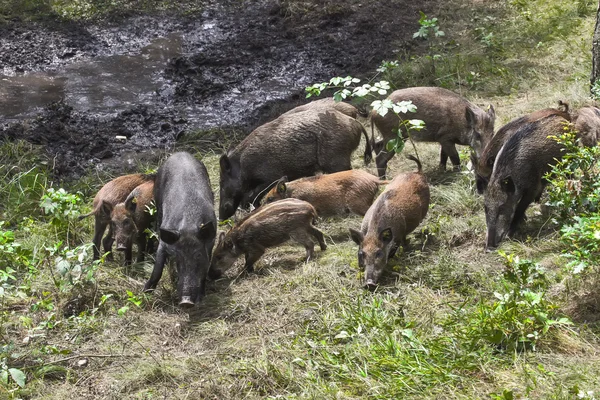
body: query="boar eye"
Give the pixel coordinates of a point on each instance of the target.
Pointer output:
(379, 254)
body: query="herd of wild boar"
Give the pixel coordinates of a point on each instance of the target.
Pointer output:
(297, 168)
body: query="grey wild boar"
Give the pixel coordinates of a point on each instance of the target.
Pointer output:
(112, 193)
(294, 145)
(517, 176)
(587, 125)
(483, 166)
(396, 212)
(449, 120)
(187, 225)
(325, 103)
(130, 219)
(268, 226)
(343, 192)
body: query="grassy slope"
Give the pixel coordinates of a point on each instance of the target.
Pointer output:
(308, 330)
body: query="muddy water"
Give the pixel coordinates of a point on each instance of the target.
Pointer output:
(101, 85)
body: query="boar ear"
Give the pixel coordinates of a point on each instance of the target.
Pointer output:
(131, 203)
(221, 237)
(225, 163)
(281, 187)
(386, 235)
(508, 185)
(491, 113)
(470, 117)
(168, 236)
(106, 208)
(207, 231)
(356, 236)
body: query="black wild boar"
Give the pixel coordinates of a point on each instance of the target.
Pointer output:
(396, 212)
(328, 102)
(267, 226)
(114, 192)
(517, 176)
(483, 166)
(587, 125)
(449, 120)
(331, 194)
(130, 219)
(187, 225)
(294, 145)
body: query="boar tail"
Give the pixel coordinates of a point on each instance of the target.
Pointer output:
(415, 159)
(85, 215)
(368, 148)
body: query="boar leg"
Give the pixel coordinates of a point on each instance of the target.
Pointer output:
(252, 256)
(107, 243)
(519, 216)
(142, 242)
(161, 258)
(381, 161)
(99, 228)
(319, 236)
(303, 237)
(449, 150)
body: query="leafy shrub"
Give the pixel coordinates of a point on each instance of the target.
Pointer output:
(575, 195)
(61, 208)
(520, 316)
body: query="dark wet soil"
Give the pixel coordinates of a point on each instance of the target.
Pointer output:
(237, 65)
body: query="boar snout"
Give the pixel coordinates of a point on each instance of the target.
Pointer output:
(186, 302)
(370, 284)
(121, 247)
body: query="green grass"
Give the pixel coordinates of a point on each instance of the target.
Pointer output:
(297, 330)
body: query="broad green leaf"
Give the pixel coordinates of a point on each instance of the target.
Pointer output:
(18, 376)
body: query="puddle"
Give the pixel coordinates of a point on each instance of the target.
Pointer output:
(101, 85)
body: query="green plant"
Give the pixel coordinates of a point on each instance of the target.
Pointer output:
(428, 27)
(9, 376)
(61, 208)
(73, 265)
(574, 194)
(519, 316)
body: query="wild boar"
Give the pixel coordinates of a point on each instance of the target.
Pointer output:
(130, 219)
(483, 166)
(396, 212)
(517, 176)
(267, 226)
(587, 125)
(343, 192)
(294, 145)
(112, 193)
(328, 102)
(449, 120)
(187, 225)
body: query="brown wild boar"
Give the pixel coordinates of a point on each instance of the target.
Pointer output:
(267, 226)
(130, 219)
(517, 176)
(332, 194)
(483, 166)
(328, 102)
(587, 125)
(294, 145)
(449, 120)
(112, 193)
(396, 212)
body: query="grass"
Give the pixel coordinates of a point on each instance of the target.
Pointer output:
(297, 330)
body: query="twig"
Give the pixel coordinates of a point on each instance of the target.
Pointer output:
(85, 356)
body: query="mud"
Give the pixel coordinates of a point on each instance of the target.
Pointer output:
(74, 87)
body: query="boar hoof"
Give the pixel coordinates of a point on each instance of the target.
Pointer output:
(186, 302)
(148, 287)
